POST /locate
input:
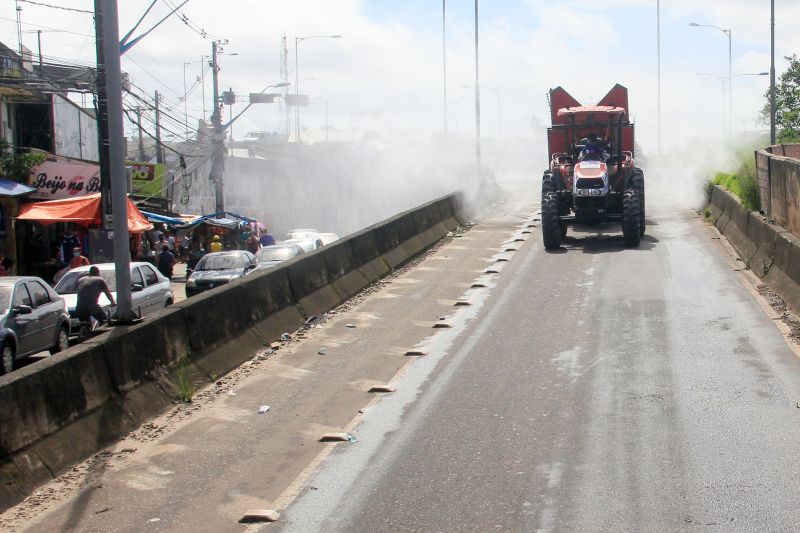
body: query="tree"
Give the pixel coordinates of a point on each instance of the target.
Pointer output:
(17, 166)
(787, 103)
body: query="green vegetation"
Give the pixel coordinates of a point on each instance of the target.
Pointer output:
(15, 166)
(787, 103)
(743, 182)
(185, 386)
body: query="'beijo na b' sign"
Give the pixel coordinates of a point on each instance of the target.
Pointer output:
(57, 180)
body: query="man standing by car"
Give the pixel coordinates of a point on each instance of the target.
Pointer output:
(89, 289)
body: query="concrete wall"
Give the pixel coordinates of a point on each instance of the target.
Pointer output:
(770, 251)
(60, 410)
(778, 169)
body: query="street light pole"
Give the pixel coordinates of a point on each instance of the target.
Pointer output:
(728, 33)
(477, 101)
(772, 110)
(444, 64)
(658, 48)
(297, 41)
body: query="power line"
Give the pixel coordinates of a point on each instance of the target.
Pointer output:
(46, 27)
(57, 7)
(194, 27)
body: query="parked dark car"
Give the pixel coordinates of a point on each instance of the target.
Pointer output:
(269, 256)
(33, 318)
(218, 268)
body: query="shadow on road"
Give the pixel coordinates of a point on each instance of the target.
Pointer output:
(606, 238)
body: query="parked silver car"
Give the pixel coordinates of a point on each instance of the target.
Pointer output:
(151, 291)
(34, 318)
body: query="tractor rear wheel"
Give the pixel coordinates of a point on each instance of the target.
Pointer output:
(551, 225)
(631, 217)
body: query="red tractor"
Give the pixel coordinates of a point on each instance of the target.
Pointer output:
(592, 177)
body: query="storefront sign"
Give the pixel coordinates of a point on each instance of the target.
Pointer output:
(56, 180)
(147, 179)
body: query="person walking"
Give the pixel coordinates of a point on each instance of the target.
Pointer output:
(89, 289)
(165, 261)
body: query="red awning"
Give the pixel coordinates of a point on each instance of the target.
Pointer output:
(81, 210)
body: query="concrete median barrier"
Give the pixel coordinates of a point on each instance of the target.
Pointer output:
(59, 411)
(771, 252)
(783, 276)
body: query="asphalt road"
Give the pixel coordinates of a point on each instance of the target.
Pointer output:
(598, 388)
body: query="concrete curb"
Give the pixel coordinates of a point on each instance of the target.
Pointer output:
(770, 251)
(59, 411)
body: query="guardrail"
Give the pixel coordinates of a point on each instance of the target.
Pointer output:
(60, 410)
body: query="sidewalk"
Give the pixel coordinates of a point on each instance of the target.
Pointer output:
(179, 281)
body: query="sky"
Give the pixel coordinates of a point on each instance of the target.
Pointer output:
(386, 70)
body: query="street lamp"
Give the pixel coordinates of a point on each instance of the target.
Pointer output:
(297, 41)
(730, 67)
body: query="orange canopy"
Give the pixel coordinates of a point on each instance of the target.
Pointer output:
(81, 210)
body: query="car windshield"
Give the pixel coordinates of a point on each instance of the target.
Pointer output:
(5, 298)
(69, 283)
(220, 262)
(275, 254)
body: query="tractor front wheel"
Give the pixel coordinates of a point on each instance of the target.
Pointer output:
(551, 225)
(631, 217)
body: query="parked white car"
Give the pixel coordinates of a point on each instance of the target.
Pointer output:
(308, 244)
(300, 234)
(151, 291)
(327, 238)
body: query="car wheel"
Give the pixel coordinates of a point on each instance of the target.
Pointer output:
(168, 303)
(7, 356)
(62, 342)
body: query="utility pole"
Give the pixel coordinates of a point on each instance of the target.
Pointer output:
(159, 150)
(444, 65)
(477, 102)
(772, 110)
(113, 149)
(39, 42)
(139, 126)
(218, 141)
(286, 116)
(658, 52)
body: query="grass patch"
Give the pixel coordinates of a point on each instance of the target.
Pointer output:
(707, 213)
(186, 388)
(743, 184)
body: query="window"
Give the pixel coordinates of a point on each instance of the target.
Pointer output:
(136, 277)
(21, 296)
(149, 275)
(39, 293)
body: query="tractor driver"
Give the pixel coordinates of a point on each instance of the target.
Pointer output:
(594, 149)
